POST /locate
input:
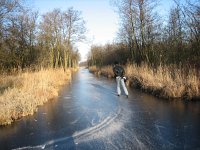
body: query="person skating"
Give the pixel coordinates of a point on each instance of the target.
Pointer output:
(120, 78)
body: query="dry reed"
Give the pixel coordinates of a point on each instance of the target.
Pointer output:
(23, 93)
(164, 81)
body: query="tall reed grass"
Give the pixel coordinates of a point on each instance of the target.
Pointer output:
(168, 82)
(105, 71)
(20, 95)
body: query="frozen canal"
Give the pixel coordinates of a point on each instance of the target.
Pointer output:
(88, 115)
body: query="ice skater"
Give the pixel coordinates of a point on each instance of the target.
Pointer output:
(120, 78)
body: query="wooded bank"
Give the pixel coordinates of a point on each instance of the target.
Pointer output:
(31, 40)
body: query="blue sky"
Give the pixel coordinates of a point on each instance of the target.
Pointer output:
(101, 19)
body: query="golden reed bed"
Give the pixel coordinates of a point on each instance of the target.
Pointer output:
(20, 95)
(165, 81)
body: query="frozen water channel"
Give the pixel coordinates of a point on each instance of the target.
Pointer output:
(89, 115)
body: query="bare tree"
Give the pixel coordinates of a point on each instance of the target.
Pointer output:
(60, 31)
(149, 40)
(24, 43)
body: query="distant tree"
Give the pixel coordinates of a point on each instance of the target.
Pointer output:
(24, 43)
(7, 8)
(60, 31)
(181, 36)
(139, 25)
(20, 38)
(145, 37)
(73, 31)
(107, 54)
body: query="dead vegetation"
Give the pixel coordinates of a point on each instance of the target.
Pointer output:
(23, 93)
(165, 82)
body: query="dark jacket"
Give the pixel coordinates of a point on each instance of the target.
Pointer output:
(118, 70)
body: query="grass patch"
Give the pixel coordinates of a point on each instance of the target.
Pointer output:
(20, 95)
(167, 82)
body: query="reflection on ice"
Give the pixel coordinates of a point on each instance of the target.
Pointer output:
(89, 115)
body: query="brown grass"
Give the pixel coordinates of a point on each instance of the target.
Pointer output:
(93, 69)
(105, 71)
(165, 81)
(23, 93)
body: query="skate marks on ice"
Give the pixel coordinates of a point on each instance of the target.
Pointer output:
(108, 126)
(110, 133)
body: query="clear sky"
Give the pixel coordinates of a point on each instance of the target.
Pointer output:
(101, 19)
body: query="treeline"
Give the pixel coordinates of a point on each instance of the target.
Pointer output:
(146, 37)
(28, 39)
